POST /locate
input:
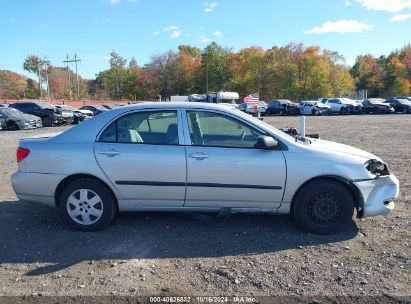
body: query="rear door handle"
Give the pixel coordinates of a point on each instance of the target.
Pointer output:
(110, 153)
(198, 155)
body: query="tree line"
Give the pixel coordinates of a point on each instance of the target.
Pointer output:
(294, 72)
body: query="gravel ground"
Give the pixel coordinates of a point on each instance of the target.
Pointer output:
(194, 254)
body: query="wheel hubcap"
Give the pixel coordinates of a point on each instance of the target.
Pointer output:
(84, 206)
(324, 208)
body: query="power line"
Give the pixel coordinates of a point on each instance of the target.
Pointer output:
(75, 60)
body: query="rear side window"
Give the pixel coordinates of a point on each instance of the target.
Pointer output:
(151, 127)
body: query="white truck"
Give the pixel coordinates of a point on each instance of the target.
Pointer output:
(232, 98)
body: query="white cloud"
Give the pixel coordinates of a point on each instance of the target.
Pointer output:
(392, 6)
(172, 30)
(218, 34)
(400, 17)
(169, 28)
(175, 34)
(209, 7)
(114, 1)
(347, 3)
(204, 40)
(341, 26)
(104, 20)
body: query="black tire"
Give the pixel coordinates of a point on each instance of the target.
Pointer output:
(11, 125)
(107, 205)
(47, 122)
(343, 111)
(323, 206)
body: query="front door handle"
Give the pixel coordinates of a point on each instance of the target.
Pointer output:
(110, 152)
(198, 155)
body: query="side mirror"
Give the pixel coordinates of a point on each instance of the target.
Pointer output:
(266, 142)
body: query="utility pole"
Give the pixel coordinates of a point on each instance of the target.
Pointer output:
(207, 77)
(68, 75)
(78, 84)
(75, 60)
(38, 74)
(47, 65)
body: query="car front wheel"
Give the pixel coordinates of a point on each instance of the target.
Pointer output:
(87, 204)
(323, 206)
(47, 122)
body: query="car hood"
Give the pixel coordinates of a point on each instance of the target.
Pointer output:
(23, 117)
(340, 148)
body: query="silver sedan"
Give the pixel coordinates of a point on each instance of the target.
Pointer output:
(198, 157)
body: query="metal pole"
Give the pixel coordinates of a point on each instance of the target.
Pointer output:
(78, 85)
(47, 63)
(207, 76)
(38, 74)
(302, 126)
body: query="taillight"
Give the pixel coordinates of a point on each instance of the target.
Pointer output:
(22, 153)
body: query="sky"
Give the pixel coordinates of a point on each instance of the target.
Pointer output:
(143, 28)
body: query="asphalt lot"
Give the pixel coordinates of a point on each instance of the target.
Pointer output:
(194, 254)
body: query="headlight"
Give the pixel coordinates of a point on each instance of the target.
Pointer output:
(377, 168)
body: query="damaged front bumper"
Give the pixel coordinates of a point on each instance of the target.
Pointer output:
(377, 195)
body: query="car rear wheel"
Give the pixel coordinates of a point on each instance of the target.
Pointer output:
(323, 206)
(47, 122)
(343, 111)
(87, 204)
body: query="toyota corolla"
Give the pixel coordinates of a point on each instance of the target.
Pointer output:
(199, 157)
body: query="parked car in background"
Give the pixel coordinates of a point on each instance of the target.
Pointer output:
(323, 100)
(4, 105)
(78, 115)
(400, 105)
(282, 107)
(312, 107)
(49, 115)
(108, 107)
(95, 109)
(13, 119)
(343, 106)
(199, 157)
(253, 108)
(376, 106)
(402, 97)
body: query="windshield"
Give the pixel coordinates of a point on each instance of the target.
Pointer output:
(45, 105)
(9, 111)
(101, 108)
(272, 128)
(67, 107)
(404, 101)
(375, 100)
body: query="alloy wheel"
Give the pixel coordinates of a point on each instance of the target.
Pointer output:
(84, 206)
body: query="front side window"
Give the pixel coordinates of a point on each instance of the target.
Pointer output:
(217, 130)
(153, 127)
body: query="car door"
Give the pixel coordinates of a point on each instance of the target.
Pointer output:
(223, 167)
(33, 109)
(140, 154)
(333, 103)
